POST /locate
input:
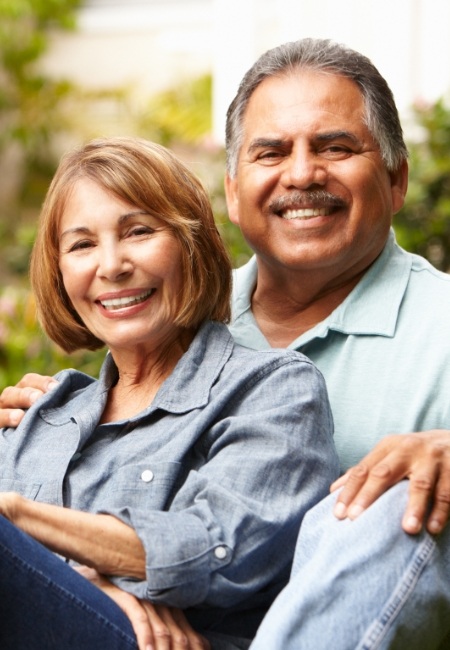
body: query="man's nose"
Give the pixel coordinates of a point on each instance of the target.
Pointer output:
(304, 169)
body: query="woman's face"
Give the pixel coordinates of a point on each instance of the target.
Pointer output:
(121, 269)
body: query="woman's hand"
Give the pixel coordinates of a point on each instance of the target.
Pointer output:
(14, 399)
(156, 627)
(8, 505)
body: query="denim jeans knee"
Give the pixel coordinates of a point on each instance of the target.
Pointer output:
(362, 584)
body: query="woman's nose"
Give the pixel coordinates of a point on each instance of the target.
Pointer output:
(113, 263)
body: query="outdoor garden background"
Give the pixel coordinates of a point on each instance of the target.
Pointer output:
(40, 116)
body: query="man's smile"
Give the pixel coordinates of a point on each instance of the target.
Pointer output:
(306, 213)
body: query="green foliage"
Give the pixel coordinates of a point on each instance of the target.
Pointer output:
(181, 119)
(30, 117)
(181, 114)
(35, 111)
(28, 100)
(423, 225)
(23, 347)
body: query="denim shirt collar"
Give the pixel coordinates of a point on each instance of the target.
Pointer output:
(187, 388)
(370, 309)
(189, 385)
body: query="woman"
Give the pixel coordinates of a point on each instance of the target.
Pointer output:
(183, 473)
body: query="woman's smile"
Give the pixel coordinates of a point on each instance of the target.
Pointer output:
(120, 303)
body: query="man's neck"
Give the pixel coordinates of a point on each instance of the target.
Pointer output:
(287, 307)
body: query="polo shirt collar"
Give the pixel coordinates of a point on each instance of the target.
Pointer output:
(370, 309)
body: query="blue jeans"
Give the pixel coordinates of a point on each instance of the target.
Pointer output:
(363, 584)
(46, 605)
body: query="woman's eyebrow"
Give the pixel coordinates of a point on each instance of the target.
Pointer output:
(77, 230)
(129, 215)
(122, 219)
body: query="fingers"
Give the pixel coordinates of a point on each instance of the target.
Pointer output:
(365, 482)
(130, 605)
(420, 493)
(430, 486)
(14, 399)
(196, 641)
(440, 512)
(161, 630)
(11, 417)
(171, 630)
(157, 627)
(42, 383)
(422, 457)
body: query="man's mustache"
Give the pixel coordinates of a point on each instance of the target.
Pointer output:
(312, 198)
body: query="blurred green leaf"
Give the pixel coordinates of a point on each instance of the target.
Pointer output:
(423, 225)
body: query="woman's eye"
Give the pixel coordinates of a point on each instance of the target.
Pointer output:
(80, 245)
(141, 230)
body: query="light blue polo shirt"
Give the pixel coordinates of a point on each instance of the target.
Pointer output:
(384, 352)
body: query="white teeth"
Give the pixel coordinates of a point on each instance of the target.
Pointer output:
(120, 303)
(306, 213)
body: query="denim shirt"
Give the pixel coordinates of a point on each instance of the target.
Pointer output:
(214, 476)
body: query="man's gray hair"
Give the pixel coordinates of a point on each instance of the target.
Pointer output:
(381, 115)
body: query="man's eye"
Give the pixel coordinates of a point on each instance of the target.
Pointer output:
(336, 151)
(269, 157)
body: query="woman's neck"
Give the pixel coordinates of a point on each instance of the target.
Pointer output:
(141, 374)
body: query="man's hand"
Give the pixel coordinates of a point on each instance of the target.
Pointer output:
(423, 458)
(14, 399)
(156, 627)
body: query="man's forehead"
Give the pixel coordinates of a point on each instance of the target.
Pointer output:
(321, 99)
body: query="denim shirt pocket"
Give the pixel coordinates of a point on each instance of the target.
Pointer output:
(150, 485)
(26, 489)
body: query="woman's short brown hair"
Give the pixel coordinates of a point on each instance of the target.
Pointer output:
(153, 179)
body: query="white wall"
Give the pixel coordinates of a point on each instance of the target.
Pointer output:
(153, 44)
(408, 41)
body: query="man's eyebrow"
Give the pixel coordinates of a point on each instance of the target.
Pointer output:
(261, 143)
(337, 135)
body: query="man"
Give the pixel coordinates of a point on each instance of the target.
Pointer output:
(316, 169)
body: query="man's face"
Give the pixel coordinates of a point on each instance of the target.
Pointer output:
(311, 191)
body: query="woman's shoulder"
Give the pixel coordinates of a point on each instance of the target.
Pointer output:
(219, 336)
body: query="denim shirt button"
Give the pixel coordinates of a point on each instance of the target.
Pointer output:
(220, 552)
(147, 475)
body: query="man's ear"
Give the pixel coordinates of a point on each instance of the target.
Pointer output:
(399, 186)
(231, 195)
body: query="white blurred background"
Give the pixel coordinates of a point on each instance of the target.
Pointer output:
(151, 45)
